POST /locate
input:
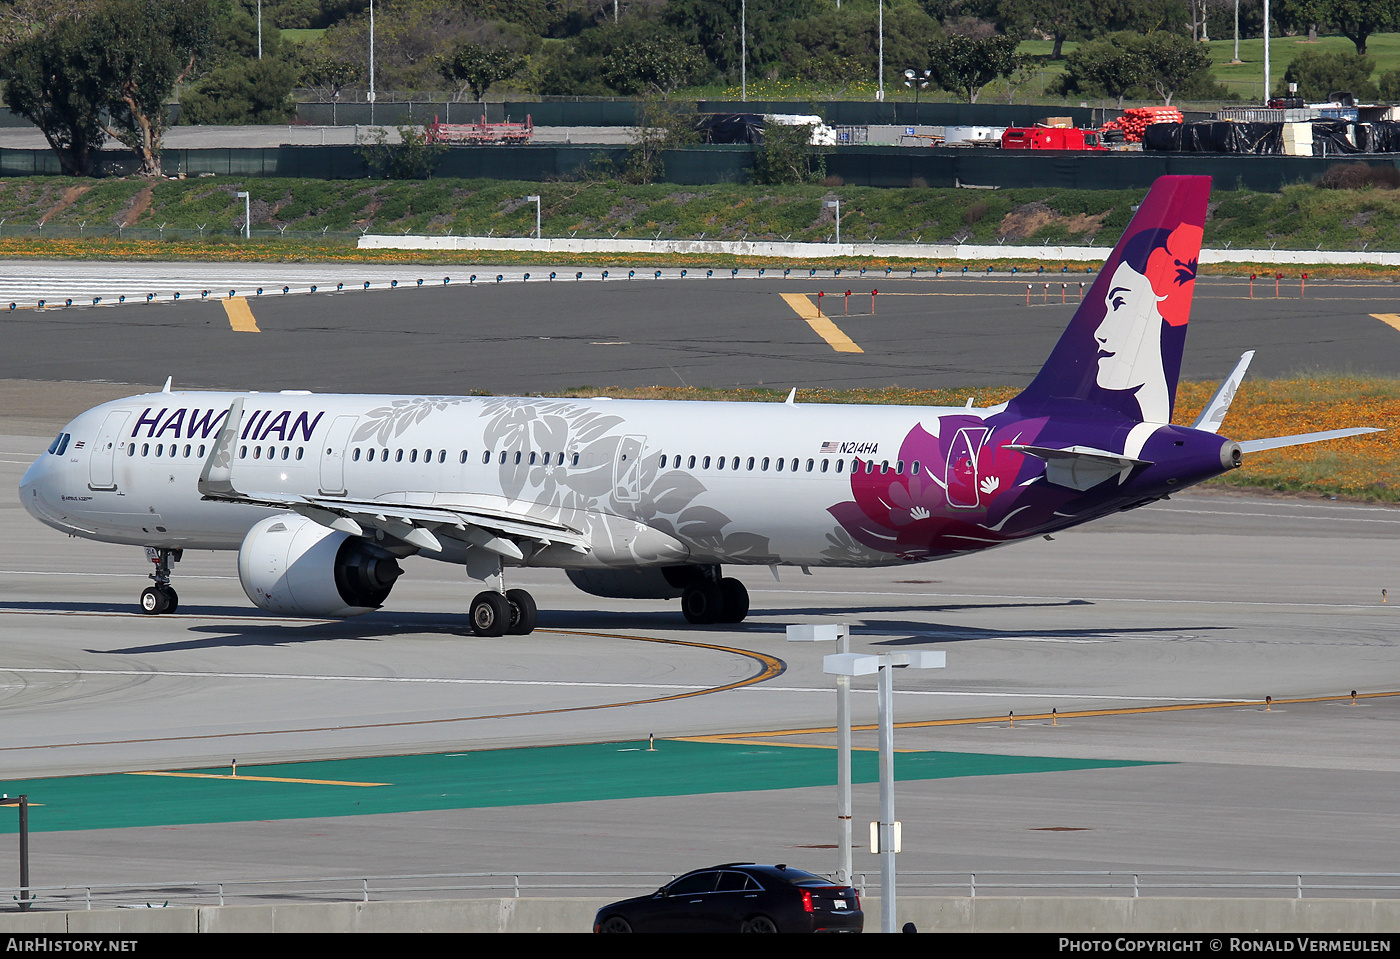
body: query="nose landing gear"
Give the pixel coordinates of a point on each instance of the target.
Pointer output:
(161, 598)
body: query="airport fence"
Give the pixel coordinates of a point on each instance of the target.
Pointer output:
(477, 885)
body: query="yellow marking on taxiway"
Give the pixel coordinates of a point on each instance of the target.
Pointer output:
(239, 316)
(1389, 319)
(824, 328)
(257, 779)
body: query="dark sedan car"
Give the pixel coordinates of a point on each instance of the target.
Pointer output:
(739, 897)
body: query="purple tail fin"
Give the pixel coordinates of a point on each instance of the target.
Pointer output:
(1123, 348)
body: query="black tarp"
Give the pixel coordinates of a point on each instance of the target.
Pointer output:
(1383, 136)
(1332, 136)
(730, 127)
(1215, 136)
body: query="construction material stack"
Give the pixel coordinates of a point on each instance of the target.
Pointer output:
(1137, 119)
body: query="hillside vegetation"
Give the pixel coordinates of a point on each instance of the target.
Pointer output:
(1301, 217)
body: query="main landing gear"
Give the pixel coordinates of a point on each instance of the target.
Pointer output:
(161, 598)
(710, 598)
(512, 613)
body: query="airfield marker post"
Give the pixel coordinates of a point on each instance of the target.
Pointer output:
(23, 803)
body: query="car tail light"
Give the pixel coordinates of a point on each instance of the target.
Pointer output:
(806, 900)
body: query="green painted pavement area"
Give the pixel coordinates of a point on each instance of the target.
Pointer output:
(500, 777)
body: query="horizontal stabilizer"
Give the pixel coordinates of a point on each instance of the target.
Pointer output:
(1214, 413)
(1279, 442)
(1080, 467)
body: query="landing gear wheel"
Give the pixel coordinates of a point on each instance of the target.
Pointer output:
(490, 614)
(736, 600)
(153, 601)
(703, 604)
(172, 600)
(759, 924)
(523, 612)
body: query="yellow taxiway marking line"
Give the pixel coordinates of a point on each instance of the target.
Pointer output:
(1389, 319)
(751, 736)
(258, 779)
(239, 316)
(824, 328)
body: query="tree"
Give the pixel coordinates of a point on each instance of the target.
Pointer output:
(787, 155)
(149, 46)
(1354, 19)
(52, 80)
(242, 91)
(476, 67)
(1170, 61)
(964, 65)
(1320, 74)
(660, 63)
(412, 158)
(660, 126)
(327, 76)
(1111, 66)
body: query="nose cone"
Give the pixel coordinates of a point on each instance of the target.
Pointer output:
(37, 488)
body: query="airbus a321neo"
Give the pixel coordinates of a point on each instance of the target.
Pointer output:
(323, 495)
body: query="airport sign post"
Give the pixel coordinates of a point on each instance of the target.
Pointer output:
(841, 634)
(23, 803)
(536, 201)
(885, 834)
(247, 213)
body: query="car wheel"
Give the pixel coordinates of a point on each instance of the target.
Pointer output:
(759, 924)
(615, 924)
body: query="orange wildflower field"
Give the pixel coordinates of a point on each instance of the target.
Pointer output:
(1362, 467)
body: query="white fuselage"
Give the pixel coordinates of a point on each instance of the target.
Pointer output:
(646, 482)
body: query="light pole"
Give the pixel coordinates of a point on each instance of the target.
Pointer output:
(912, 79)
(1237, 32)
(371, 52)
(835, 204)
(880, 94)
(841, 634)
(536, 201)
(744, 51)
(259, 29)
(1266, 51)
(885, 833)
(247, 214)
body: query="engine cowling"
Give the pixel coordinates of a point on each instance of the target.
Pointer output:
(289, 564)
(652, 582)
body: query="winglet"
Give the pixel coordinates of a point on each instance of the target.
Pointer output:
(792, 397)
(216, 479)
(1214, 413)
(168, 381)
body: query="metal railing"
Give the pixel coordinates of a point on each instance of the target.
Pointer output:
(611, 885)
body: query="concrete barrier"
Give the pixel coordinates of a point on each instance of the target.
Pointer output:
(1066, 914)
(963, 252)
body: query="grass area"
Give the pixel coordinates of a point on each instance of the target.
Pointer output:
(1300, 217)
(1366, 467)
(302, 34)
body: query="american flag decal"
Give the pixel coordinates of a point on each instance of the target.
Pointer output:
(831, 447)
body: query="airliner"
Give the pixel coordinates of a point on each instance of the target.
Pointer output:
(323, 495)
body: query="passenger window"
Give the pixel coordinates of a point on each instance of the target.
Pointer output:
(517, 457)
(825, 464)
(750, 463)
(706, 463)
(201, 451)
(187, 451)
(413, 456)
(869, 466)
(356, 457)
(160, 450)
(884, 467)
(840, 466)
(734, 464)
(810, 464)
(464, 457)
(503, 457)
(915, 470)
(131, 450)
(692, 463)
(720, 464)
(286, 451)
(575, 462)
(794, 464)
(764, 465)
(442, 456)
(899, 467)
(427, 456)
(532, 459)
(486, 456)
(779, 467)
(398, 456)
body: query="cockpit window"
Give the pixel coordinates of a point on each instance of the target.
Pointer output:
(60, 443)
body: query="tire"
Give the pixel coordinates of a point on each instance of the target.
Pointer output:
(490, 614)
(736, 600)
(523, 612)
(759, 924)
(153, 601)
(703, 604)
(172, 600)
(614, 924)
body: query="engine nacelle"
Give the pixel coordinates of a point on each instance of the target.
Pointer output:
(652, 582)
(289, 564)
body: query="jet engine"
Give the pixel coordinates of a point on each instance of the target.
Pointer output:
(289, 564)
